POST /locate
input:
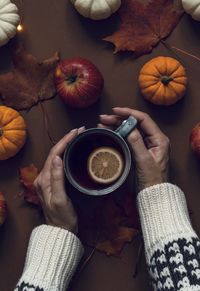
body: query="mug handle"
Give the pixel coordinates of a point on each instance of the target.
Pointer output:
(126, 127)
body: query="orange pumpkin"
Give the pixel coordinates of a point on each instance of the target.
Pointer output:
(163, 81)
(3, 209)
(12, 132)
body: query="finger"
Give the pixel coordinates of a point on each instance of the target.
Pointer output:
(140, 152)
(81, 129)
(37, 187)
(146, 123)
(57, 178)
(112, 120)
(59, 148)
(100, 125)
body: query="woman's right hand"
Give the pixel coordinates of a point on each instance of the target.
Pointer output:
(149, 144)
(50, 186)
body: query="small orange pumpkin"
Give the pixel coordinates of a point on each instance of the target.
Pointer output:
(12, 132)
(163, 81)
(3, 208)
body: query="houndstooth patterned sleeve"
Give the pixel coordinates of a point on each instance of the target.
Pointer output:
(171, 245)
(52, 257)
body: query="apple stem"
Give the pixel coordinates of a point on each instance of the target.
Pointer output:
(71, 79)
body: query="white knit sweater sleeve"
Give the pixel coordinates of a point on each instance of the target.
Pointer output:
(52, 257)
(171, 245)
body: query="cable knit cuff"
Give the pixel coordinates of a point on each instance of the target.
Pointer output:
(52, 257)
(163, 214)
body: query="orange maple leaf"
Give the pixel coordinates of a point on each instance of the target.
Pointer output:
(143, 26)
(27, 177)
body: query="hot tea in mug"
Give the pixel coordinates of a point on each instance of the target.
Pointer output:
(98, 161)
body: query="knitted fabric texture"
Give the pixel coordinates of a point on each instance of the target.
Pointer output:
(171, 245)
(52, 258)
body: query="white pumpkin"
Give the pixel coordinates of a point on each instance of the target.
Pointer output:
(96, 9)
(192, 7)
(9, 19)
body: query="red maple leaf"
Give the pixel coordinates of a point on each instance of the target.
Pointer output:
(27, 177)
(143, 26)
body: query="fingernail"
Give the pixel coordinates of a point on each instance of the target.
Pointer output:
(73, 130)
(99, 125)
(81, 128)
(115, 108)
(57, 162)
(103, 115)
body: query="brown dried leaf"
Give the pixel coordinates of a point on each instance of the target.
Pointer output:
(121, 236)
(110, 228)
(143, 26)
(29, 81)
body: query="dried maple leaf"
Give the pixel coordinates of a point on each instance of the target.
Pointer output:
(107, 230)
(114, 245)
(29, 81)
(27, 177)
(143, 26)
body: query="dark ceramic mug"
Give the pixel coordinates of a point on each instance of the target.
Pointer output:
(78, 151)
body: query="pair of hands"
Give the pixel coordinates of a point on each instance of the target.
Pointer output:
(150, 151)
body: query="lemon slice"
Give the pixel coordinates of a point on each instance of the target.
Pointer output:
(105, 165)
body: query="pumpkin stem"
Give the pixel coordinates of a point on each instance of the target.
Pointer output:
(1, 132)
(166, 80)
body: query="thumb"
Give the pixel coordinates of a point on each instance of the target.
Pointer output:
(137, 144)
(57, 176)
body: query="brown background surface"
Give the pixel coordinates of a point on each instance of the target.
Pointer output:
(52, 25)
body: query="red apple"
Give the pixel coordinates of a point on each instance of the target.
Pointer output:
(79, 83)
(195, 139)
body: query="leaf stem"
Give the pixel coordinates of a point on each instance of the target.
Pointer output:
(46, 122)
(87, 260)
(180, 50)
(139, 256)
(186, 53)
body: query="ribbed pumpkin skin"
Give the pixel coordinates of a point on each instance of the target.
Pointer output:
(192, 7)
(9, 19)
(3, 209)
(163, 81)
(96, 9)
(12, 132)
